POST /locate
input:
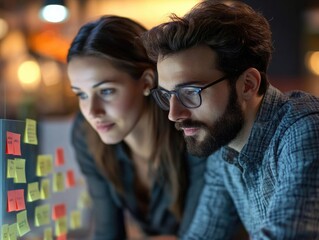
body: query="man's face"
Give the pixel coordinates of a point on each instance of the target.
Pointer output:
(219, 119)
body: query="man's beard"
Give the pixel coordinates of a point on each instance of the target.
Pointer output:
(222, 132)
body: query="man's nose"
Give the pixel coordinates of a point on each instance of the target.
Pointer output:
(177, 110)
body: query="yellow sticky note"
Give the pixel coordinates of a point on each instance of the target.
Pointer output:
(48, 234)
(42, 215)
(13, 231)
(75, 219)
(5, 232)
(45, 189)
(58, 182)
(30, 133)
(10, 168)
(61, 226)
(44, 165)
(22, 223)
(19, 171)
(33, 191)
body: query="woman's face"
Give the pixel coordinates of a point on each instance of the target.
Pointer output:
(109, 98)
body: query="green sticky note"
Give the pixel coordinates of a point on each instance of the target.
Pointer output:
(19, 171)
(33, 192)
(5, 232)
(42, 215)
(13, 231)
(48, 234)
(22, 223)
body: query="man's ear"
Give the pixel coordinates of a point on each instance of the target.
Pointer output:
(149, 79)
(251, 79)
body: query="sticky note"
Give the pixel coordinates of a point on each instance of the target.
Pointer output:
(22, 223)
(5, 232)
(84, 201)
(61, 226)
(58, 211)
(48, 234)
(75, 219)
(33, 191)
(44, 165)
(11, 201)
(13, 231)
(30, 132)
(45, 189)
(62, 237)
(19, 171)
(42, 215)
(59, 157)
(70, 181)
(9, 143)
(20, 201)
(13, 145)
(10, 168)
(58, 182)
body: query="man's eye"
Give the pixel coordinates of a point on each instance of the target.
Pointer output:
(189, 91)
(107, 91)
(81, 95)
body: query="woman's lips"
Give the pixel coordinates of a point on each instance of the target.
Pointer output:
(104, 127)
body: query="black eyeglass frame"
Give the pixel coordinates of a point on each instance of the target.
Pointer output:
(198, 90)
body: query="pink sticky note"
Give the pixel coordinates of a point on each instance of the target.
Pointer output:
(20, 201)
(62, 237)
(9, 143)
(59, 158)
(11, 201)
(70, 181)
(59, 210)
(16, 144)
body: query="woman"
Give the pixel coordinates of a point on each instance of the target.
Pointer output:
(133, 158)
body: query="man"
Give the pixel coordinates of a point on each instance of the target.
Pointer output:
(264, 168)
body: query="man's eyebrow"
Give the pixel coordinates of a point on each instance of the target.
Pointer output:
(190, 83)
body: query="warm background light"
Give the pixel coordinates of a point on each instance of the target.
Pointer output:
(54, 13)
(312, 62)
(3, 28)
(29, 75)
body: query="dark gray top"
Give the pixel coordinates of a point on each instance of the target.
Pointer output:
(109, 206)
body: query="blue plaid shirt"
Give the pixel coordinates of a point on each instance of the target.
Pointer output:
(272, 185)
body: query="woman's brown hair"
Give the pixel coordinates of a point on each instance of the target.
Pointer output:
(117, 39)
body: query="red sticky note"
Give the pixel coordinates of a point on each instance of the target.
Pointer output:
(70, 181)
(59, 158)
(20, 201)
(16, 144)
(9, 143)
(59, 210)
(62, 237)
(11, 201)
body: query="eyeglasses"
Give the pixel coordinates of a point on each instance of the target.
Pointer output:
(188, 96)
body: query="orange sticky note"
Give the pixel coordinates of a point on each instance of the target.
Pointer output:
(62, 237)
(9, 143)
(11, 201)
(70, 181)
(59, 158)
(16, 144)
(20, 201)
(59, 210)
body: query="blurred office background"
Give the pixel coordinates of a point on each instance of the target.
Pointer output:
(33, 80)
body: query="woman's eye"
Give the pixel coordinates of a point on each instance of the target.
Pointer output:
(81, 95)
(107, 91)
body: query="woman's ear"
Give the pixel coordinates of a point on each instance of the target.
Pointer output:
(149, 79)
(250, 83)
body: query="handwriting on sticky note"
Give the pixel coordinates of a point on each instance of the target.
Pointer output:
(45, 189)
(19, 171)
(58, 182)
(22, 223)
(15, 200)
(13, 231)
(44, 165)
(33, 191)
(59, 157)
(13, 145)
(30, 133)
(42, 215)
(10, 168)
(61, 226)
(5, 232)
(58, 211)
(20, 200)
